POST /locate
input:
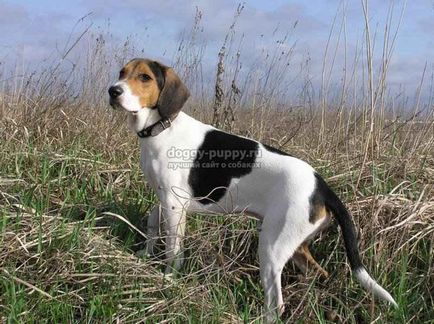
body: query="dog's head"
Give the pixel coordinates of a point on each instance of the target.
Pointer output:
(146, 84)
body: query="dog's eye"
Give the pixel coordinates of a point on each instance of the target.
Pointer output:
(144, 77)
(121, 74)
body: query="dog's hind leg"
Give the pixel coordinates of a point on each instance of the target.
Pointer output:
(304, 259)
(274, 252)
(277, 244)
(279, 238)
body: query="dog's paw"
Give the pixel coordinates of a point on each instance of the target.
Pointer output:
(169, 277)
(142, 254)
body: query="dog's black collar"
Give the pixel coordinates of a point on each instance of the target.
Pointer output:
(155, 128)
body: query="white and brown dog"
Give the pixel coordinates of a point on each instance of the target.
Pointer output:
(194, 167)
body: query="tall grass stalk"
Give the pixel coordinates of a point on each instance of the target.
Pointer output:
(73, 202)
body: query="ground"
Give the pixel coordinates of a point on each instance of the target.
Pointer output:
(73, 204)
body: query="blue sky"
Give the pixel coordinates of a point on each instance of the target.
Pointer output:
(31, 30)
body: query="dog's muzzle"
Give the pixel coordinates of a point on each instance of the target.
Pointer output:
(115, 92)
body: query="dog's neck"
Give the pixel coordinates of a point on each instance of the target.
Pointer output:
(177, 134)
(181, 134)
(143, 118)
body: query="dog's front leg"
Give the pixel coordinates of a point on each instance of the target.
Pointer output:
(174, 226)
(152, 229)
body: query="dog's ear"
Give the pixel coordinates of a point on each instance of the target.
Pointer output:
(174, 93)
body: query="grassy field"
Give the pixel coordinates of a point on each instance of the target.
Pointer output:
(73, 204)
(71, 192)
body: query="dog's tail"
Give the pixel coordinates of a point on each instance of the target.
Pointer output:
(343, 218)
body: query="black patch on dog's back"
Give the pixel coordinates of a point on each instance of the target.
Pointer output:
(275, 150)
(219, 159)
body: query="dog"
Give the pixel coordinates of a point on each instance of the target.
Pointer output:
(194, 167)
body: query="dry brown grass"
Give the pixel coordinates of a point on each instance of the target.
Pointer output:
(71, 262)
(72, 202)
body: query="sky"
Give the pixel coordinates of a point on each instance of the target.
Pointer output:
(32, 30)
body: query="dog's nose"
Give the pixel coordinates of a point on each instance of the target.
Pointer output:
(115, 91)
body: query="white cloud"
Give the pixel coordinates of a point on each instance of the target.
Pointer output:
(156, 26)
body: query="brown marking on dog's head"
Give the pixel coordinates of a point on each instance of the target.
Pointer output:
(142, 80)
(156, 86)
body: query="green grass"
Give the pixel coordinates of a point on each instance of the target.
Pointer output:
(54, 201)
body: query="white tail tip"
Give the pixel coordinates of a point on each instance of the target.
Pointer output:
(370, 284)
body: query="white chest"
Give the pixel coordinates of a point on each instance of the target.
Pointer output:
(150, 168)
